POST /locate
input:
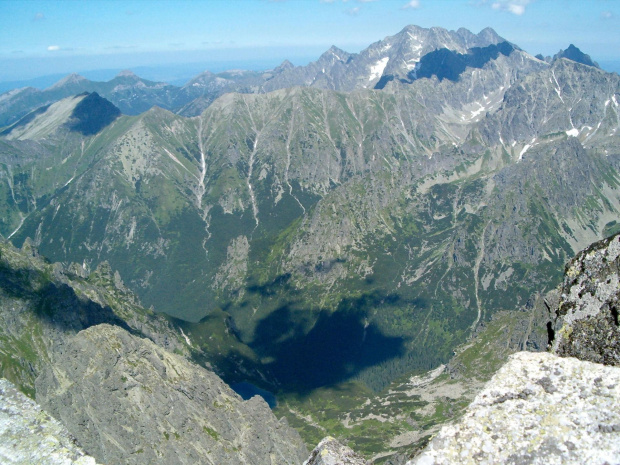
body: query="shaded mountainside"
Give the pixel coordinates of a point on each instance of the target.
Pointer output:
(86, 351)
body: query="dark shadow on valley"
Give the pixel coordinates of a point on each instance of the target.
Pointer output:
(56, 304)
(338, 346)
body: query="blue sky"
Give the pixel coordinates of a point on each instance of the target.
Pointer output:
(47, 37)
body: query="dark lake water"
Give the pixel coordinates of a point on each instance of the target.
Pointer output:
(248, 390)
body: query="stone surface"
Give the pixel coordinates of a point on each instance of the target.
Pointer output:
(331, 452)
(28, 435)
(586, 318)
(538, 409)
(129, 401)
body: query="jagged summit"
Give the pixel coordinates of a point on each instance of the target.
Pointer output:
(398, 58)
(574, 54)
(489, 35)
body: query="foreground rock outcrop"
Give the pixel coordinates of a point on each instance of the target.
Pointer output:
(556, 407)
(539, 408)
(585, 321)
(28, 435)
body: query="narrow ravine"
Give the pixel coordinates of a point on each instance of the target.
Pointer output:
(479, 259)
(288, 160)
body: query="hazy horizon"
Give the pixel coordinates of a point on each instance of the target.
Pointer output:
(173, 41)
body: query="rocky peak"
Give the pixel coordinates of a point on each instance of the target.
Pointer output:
(127, 73)
(488, 36)
(574, 54)
(285, 65)
(334, 55)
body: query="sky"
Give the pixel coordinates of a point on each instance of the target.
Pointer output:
(39, 38)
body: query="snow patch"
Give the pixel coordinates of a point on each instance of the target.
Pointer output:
(573, 132)
(526, 148)
(189, 342)
(478, 111)
(377, 70)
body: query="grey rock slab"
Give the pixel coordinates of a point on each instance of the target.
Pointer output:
(538, 409)
(28, 435)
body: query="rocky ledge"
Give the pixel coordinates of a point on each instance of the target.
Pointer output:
(29, 435)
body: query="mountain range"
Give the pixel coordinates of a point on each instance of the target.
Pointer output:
(345, 223)
(398, 57)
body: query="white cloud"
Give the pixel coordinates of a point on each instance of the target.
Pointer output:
(353, 11)
(53, 48)
(366, 1)
(607, 15)
(327, 1)
(516, 7)
(38, 16)
(413, 4)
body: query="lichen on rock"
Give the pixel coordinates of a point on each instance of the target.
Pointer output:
(538, 409)
(586, 322)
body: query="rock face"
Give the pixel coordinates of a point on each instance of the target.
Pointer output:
(585, 321)
(29, 435)
(539, 408)
(129, 401)
(331, 452)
